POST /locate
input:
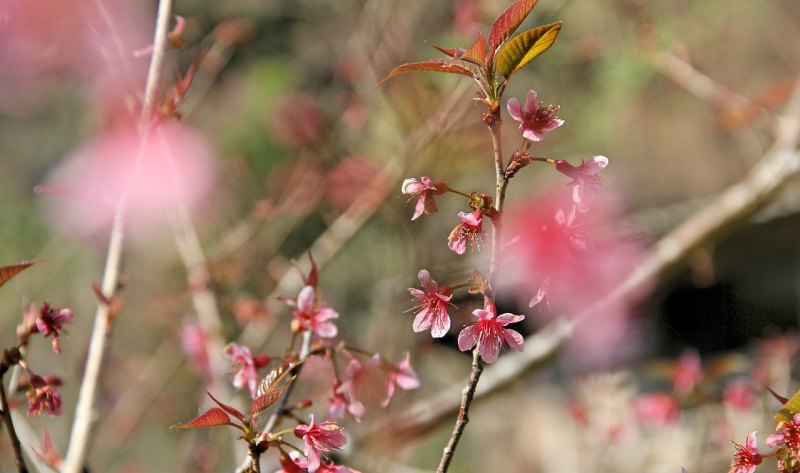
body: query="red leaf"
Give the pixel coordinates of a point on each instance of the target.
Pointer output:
(429, 66)
(8, 272)
(229, 409)
(262, 402)
(507, 23)
(452, 52)
(313, 275)
(213, 417)
(477, 52)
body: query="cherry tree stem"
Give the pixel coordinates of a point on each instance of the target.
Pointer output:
(494, 122)
(12, 434)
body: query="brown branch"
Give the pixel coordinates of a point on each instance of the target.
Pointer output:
(5, 411)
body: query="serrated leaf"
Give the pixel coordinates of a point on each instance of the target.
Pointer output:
(428, 66)
(477, 52)
(213, 417)
(229, 409)
(452, 52)
(268, 398)
(8, 272)
(789, 409)
(525, 47)
(507, 23)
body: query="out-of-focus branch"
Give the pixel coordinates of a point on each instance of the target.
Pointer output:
(84, 410)
(730, 209)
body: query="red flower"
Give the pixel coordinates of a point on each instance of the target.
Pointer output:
(425, 190)
(43, 397)
(431, 307)
(489, 332)
(534, 120)
(469, 230)
(319, 438)
(50, 321)
(312, 314)
(401, 375)
(746, 457)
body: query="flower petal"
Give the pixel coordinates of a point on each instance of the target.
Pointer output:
(514, 109)
(514, 339)
(466, 339)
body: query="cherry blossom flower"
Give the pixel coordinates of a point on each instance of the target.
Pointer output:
(424, 190)
(738, 394)
(360, 382)
(193, 343)
(788, 434)
(245, 366)
(292, 463)
(319, 439)
(489, 332)
(401, 375)
(688, 373)
(585, 181)
(338, 402)
(656, 409)
(43, 397)
(534, 119)
(50, 321)
(312, 314)
(746, 457)
(431, 308)
(470, 230)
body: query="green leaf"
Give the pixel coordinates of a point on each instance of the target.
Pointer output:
(525, 47)
(213, 417)
(789, 409)
(429, 66)
(8, 272)
(507, 23)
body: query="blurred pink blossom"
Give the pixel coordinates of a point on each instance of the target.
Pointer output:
(173, 166)
(401, 375)
(48, 321)
(193, 342)
(688, 372)
(244, 367)
(739, 394)
(585, 181)
(352, 180)
(361, 384)
(534, 119)
(43, 397)
(489, 332)
(295, 120)
(656, 409)
(431, 307)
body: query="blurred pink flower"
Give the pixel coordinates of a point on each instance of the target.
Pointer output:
(312, 314)
(244, 367)
(656, 409)
(585, 181)
(360, 383)
(423, 189)
(401, 375)
(292, 463)
(355, 179)
(50, 321)
(170, 168)
(49, 455)
(739, 394)
(193, 342)
(431, 306)
(688, 372)
(43, 397)
(470, 230)
(489, 332)
(534, 119)
(746, 457)
(319, 439)
(295, 120)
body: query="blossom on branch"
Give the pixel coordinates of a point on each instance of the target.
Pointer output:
(319, 439)
(489, 332)
(245, 366)
(470, 230)
(585, 181)
(312, 314)
(424, 189)
(534, 119)
(746, 457)
(401, 375)
(43, 397)
(49, 322)
(431, 308)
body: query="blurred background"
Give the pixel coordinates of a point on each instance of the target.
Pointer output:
(309, 153)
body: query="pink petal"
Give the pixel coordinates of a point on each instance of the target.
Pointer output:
(506, 319)
(426, 281)
(305, 300)
(555, 123)
(530, 103)
(458, 245)
(326, 330)
(751, 443)
(490, 349)
(531, 134)
(469, 218)
(326, 313)
(483, 314)
(466, 339)
(513, 109)
(514, 339)
(441, 325)
(416, 293)
(419, 209)
(422, 321)
(594, 165)
(411, 186)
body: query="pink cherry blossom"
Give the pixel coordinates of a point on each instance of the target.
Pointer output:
(746, 457)
(424, 190)
(739, 395)
(292, 463)
(489, 332)
(43, 397)
(193, 343)
(585, 181)
(50, 321)
(319, 439)
(656, 409)
(312, 314)
(361, 382)
(688, 373)
(401, 375)
(470, 230)
(534, 119)
(431, 308)
(788, 434)
(244, 367)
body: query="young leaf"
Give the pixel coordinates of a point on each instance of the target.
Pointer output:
(507, 23)
(262, 402)
(213, 417)
(525, 47)
(229, 409)
(313, 274)
(8, 272)
(452, 52)
(476, 53)
(428, 66)
(789, 409)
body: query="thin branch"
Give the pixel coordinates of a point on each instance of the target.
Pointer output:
(12, 433)
(84, 410)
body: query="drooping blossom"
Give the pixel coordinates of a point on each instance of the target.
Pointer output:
(338, 402)
(319, 439)
(401, 375)
(470, 230)
(656, 409)
(787, 434)
(585, 181)
(688, 372)
(193, 343)
(489, 332)
(42, 396)
(245, 366)
(311, 313)
(423, 189)
(534, 119)
(49, 455)
(431, 308)
(746, 457)
(50, 321)
(361, 382)
(293, 463)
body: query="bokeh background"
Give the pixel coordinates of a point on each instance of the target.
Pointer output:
(311, 154)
